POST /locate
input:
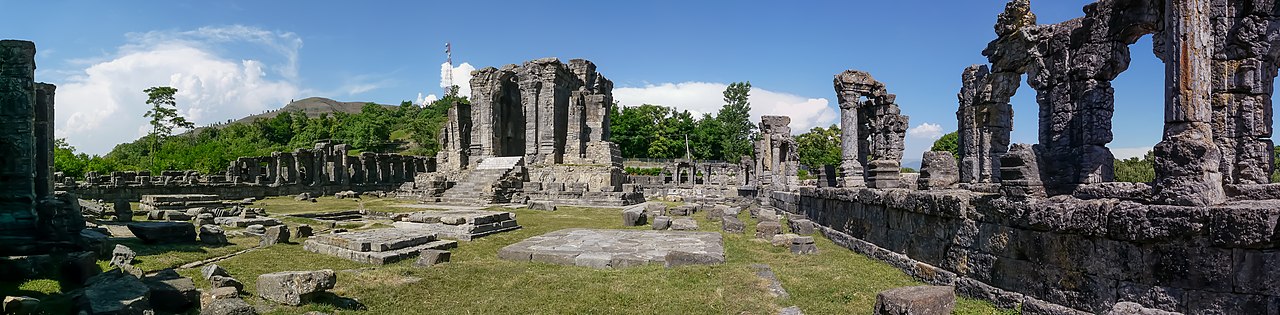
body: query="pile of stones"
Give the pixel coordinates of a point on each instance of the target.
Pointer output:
(125, 290)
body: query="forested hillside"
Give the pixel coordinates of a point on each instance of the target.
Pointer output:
(375, 128)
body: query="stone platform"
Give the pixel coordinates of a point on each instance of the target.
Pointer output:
(618, 248)
(459, 224)
(379, 247)
(178, 202)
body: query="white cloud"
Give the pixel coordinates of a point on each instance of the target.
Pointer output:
(98, 105)
(1125, 153)
(461, 77)
(928, 131)
(708, 97)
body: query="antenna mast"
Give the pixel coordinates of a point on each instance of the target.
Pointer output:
(448, 72)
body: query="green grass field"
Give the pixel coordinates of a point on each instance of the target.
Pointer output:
(835, 281)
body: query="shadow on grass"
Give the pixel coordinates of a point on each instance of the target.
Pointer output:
(145, 249)
(338, 302)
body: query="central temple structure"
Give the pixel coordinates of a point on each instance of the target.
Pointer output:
(536, 131)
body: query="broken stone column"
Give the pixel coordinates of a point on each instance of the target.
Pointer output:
(780, 164)
(1187, 159)
(985, 119)
(17, 144)
(1243, 79)
(455, 138)
(370, 162)
(884, 174)
(1020, 172)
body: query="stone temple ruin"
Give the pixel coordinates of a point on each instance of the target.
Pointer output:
(323, 170)
(537, 131)
(1043, 225)
(39, 226)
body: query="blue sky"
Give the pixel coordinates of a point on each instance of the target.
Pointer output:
(230, 59)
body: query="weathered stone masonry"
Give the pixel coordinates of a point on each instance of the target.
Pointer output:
(1055, 253)
(38, 226)
(323, 170)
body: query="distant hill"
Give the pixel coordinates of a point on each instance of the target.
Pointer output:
(313, 107)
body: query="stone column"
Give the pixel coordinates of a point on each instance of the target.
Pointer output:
(849, 163)
(339, 160)
(397, 167)
(384, 168)
(273, 168)
(306, 166)
(370, 162)
(1186, 160)
(17, 144)
(288, 172)
(44, 140)
(356, 169)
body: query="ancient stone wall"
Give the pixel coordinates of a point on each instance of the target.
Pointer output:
(325, 169)
(1061, 256)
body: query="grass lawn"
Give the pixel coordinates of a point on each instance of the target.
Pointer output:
(835, 281)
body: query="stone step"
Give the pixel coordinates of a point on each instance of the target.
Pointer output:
(379, 240)
(377, 258)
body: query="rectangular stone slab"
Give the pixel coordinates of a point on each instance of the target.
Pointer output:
(614, 248)
(379, 240)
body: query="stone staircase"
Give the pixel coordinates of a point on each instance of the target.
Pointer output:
(483, 185)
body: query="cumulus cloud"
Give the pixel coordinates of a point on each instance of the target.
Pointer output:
(928, 131)
(461, 78)
(100, 104)
(708, 97)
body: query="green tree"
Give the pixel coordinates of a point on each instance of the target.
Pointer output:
(1136, 170)
(734, 119)
(948, 143)
(164, 116)
(820, 146)
(1275, 156)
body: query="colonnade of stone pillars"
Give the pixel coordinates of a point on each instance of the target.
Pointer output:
(326, 164)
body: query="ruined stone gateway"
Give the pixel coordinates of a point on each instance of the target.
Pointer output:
(1043, 225)
(536, 131)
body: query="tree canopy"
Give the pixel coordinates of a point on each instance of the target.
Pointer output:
(407, 129)
(820, 146)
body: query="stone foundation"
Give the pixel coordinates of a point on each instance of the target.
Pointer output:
(379, 247)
